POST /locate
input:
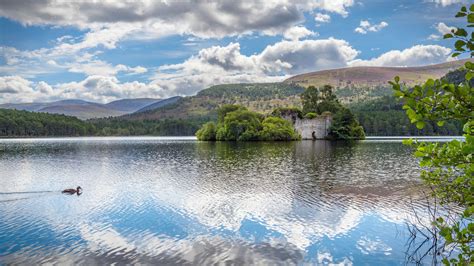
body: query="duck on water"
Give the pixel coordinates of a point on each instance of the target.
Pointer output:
(72, 191)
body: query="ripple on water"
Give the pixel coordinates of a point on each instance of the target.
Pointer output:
(180, 201)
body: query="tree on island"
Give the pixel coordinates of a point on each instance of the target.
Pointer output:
(323, 101)
(448, 168)
(236, 123)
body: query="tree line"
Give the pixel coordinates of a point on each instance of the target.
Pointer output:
(16, 123)
(24, 123)
(385, 117)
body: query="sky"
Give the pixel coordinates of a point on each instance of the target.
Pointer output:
(107, 50)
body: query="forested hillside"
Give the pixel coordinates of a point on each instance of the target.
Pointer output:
(260, 97)
(28, 124)
(385, 117)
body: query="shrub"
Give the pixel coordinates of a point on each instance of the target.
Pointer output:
(239, 125)
(310, 115)
(207, 132)
(276, 128)
(236, 123)
(287, 111)
(345, 126)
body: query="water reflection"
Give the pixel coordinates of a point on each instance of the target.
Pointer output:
(172, 201)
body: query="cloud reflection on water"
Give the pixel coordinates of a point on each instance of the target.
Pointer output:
(194, 202)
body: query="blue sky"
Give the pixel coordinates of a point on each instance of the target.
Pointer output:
(51, 50)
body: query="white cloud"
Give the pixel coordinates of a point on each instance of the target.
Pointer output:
(365, 26)
(433, 37)
(105, 89)
(336, 6)
(308, 55)
(445, 2)
(442, 30)
(297, 32)
(18, 89)
(226, 64)
(323, 18)
(106, 23)
(93, 88)
(43, 61)
(209, 66)
(112, 20)
(414, 56)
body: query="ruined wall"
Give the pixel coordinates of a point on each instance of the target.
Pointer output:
(316, 128)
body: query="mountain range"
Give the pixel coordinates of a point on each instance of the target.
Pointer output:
(352, 85)
(85, 109)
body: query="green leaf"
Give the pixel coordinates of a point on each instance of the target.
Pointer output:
(429, 83)
(420, 124)
(460, 14)
(455, 54)
(447, 36)
(470, 18)
(419, 154)
(440, 123)
(461, 32)
(459, 44)
(471, 8)
(397, 79)
(398, 94)
(469, 75)
(463, 9)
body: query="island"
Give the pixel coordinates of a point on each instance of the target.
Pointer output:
(322, 117)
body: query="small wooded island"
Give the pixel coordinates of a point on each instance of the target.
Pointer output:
(322, 117)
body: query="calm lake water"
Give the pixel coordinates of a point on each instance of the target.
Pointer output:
(180, 201)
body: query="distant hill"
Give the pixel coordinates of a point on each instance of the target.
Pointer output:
(158, 104)
(132, 105)
(84, 109)
(262, 97)
(354, 84)
(81, 111)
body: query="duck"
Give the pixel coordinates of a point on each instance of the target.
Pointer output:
(72, 191)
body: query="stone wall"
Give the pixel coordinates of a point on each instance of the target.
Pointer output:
(316, 128)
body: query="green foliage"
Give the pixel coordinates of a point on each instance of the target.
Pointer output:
(464, 41)
(225, 109)
(449, 167)
(345, 126)
(252, 91)
(276, 128)
(207, 132)
(310, 115)
(236, 123)
(242, 125)
(287, 111)
(385, 117)
(320, 100)
(163, 127)
(23, 123)
(310, 99)
(329, 101)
